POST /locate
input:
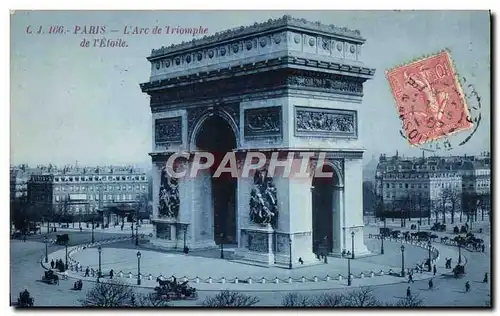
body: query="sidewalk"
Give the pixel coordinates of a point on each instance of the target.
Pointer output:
(236, 276)
(143, 229)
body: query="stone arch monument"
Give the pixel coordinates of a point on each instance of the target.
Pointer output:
(288, 86)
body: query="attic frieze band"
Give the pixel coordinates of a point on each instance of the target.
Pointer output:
(277, 80)
(285, 22)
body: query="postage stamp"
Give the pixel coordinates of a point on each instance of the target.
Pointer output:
(429, 98)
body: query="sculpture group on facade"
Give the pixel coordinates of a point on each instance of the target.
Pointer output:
(263, 200)
(169, 196)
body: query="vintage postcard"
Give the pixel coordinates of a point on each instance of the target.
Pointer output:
(250, 159)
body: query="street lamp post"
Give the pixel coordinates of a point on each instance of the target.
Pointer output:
(46, 253)
(402, 260)
(99, 249)
(66, 264)
(348, 256)
(459, 253)
(352, 242)
(382, 238)
(93, 231)
(222, 245)
(185, 232)
(137, 233)
(138, 268)
(430, 258)
(290, 249)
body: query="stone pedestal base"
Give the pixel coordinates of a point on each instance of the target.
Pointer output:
(257, 245)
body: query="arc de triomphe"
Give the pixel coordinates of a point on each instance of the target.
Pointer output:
(287, 86)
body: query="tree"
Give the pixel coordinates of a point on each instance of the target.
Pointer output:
(230, 299)
(470, 201)
(108, 294)
(149, 300)
(362, 297)
(369, 198)
(297, 300)
(450, 197)
(411, 301)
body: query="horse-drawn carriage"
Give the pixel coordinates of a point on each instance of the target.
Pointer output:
(173, 290)
(25, 300)
(62, 239)
(438, 227)
(50, 277)
(458, 271)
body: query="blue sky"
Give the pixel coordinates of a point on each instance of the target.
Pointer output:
(70, 103)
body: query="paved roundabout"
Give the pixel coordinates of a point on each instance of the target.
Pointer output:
(212, 274)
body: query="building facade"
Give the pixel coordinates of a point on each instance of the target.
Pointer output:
(283, 86)
(84, 191)
(432, 182)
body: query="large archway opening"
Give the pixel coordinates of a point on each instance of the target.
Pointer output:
(322, 212)
(217, 137)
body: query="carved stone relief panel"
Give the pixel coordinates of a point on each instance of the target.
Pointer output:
(168, 130)
(321, 122)
(263, 122)
(257, 241)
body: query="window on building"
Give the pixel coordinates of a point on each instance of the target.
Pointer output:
(143, 178)
(97, 197)
(130, 197)
(412, 186)
(124, 187)
(57, 198)
(91, 188)
(104, 197)
(70, 179)
(400, 185)
(82, 188)
(144, 187)
(406, 185)
(124, 197)
(110, 188)
(56, 179)
(387, 186)
(110, 197)
(123, 178)
(91, 197)
(137, 187)
(57, 189)
(129, 187)
(420, 186)
(118, 187)
(392, 186)
(128, 177)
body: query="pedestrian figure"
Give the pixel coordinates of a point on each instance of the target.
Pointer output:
(482, 248)
(467, 286)
(431, 284)
(485, 280)
(24, 238)
(81, 229)
(408, 292)
(434, 270)
(87, 271)
(52, 263)
(111, 273)
(410, 278)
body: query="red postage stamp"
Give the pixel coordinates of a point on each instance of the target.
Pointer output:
(429, 98)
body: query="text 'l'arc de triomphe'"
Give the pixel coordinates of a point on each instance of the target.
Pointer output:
(286, 85)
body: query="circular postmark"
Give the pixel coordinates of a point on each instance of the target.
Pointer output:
(444, 142)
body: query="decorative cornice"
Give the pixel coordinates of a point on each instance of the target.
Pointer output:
(349, 70)
(272, 24)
